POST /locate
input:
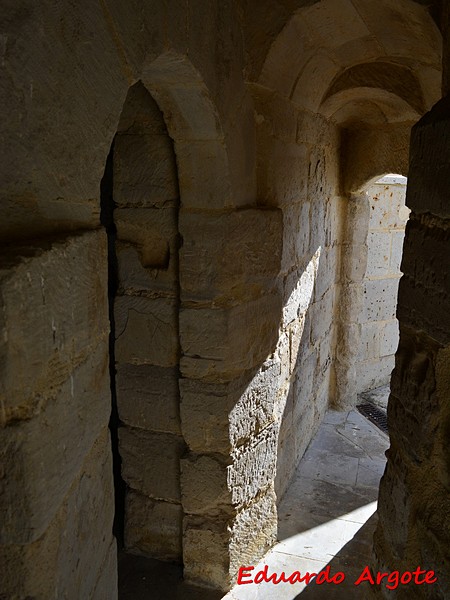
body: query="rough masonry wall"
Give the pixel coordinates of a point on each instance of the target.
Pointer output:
(230, 310)
(378, 325)
(414, 504)
(55, 398)
(146, 197)
(297, 171)
(67, 73)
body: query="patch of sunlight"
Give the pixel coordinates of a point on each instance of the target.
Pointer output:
(299, 557)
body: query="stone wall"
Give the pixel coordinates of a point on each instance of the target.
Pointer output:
(378, 325)
(413, 507)
(297, 172)
(146, 198)
(55, 397)
(231, 238)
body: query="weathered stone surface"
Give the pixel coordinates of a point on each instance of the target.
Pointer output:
(77, 549)
(204, 485)
(152, 527)
(54, 313)
(202, 184)
(253, 467)
(206, 553)
(136, 279)
(217, 416)
(253, 532)
(152, 230)
(52, 170)
(148, 397)
(145, 172)
(151, 462)
(422, 298)
(204, 412)
(220, 343)
(42, 455)
(234, 256)
(141, 114)
(429, 174)
(299, 291)
(146, 330)
(380, 300)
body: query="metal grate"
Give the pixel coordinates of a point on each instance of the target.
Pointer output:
(377, 416)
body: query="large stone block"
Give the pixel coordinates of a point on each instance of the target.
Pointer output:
(380, 300)
(203, 184)
(217, 416)
(374, 372)
(77, 550)
(429, 164)
(370, 341)
(254, 465)
(299, 289)
(145, 172)
(153, 231)
(151, 462)
(389, 338)
(232, 256)
(254, 532)
(54, 313)
(378, 253)
(220, 343)
(206, 552)
(148, 397)
(321, 316)
(423, 293)
(396, 251)
(42, 455)
(204, 485)
(152, 527)
(146, 330)
(136, 279)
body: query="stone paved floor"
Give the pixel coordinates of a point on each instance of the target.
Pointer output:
(327, 517)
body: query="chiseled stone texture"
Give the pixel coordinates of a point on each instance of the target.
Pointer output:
(220, 343)
(151, 462)
(206, 552)
(146, 330)
(55, 377)
(229, 257)
(153, 527)
(148, 397)
(76, 554)
(54, 313)
(414, 505)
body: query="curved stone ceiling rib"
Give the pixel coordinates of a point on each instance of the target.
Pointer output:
(329, 43)
(393, 78)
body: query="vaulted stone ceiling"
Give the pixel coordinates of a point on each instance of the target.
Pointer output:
(354, 61)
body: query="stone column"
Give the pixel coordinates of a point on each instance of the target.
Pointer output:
(414, 503)
(350, 302)
(230, 311)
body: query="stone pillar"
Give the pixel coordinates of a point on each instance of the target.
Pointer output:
(414, 504)
(353, 269)
(230, 311)
(145, 192)
(56, 488)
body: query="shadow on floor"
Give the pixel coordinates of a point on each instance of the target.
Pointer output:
(143, 578)
(350, 560)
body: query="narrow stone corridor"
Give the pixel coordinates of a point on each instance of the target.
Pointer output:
(327, 516)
